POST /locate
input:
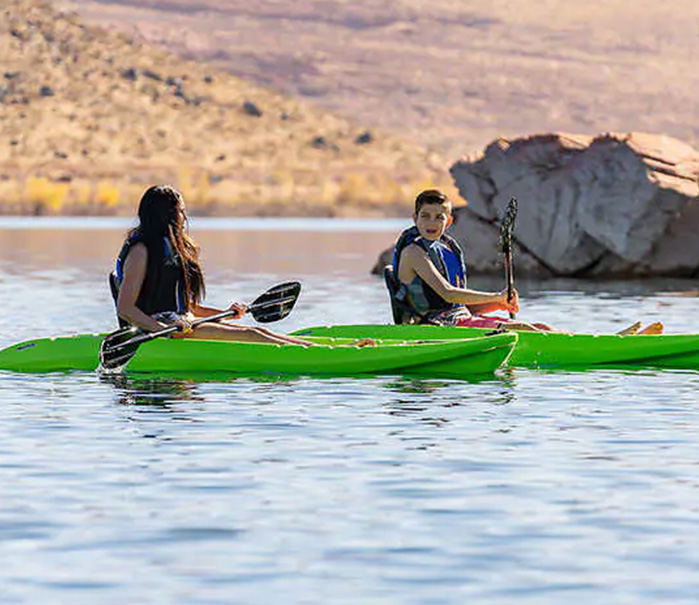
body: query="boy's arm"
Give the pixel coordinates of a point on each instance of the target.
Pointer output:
(414, 260)
(480, 309)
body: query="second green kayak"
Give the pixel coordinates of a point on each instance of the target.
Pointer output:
(337, 357)
(541, 349)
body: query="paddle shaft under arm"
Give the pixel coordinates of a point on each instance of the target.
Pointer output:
(136, 340)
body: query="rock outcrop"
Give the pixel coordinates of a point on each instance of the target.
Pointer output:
(612, 205)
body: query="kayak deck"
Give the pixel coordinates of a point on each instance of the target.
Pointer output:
(454, 358)
(548, 349)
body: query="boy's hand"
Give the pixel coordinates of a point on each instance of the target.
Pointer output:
(512, 305)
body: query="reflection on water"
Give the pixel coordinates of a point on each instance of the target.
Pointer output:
(299, 251)
(161, 390)
(529, 487)
(155, 392)
(54, 280)
(416, 385)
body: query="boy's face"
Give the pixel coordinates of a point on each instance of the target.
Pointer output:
(432, 220)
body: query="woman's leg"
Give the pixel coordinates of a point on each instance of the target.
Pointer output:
(231, 332)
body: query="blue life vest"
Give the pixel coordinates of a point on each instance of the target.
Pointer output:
(163, 288)
(447, 257)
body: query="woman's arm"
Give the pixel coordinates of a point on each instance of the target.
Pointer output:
(416, 260)
(204, 311)
(134, 275)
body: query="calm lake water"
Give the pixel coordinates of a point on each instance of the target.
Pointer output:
(527, 487)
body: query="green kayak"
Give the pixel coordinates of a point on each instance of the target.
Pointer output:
(541, 350)
(451, 358)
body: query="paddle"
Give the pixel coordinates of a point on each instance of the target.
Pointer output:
(506, 227)
(276, 303)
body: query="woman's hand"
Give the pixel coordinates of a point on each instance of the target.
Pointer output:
(240, 308)
(185, 327)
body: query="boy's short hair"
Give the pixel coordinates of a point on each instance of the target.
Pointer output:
(431, 196)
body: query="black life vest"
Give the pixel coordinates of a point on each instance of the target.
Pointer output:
(163, 288)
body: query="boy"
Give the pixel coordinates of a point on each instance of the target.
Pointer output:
(428, 281)
(431, 274)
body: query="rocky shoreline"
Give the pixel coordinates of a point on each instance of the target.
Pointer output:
(613, 205)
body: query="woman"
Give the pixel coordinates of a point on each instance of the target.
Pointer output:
(160, 281)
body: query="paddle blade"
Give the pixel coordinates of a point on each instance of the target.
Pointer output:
(276, 303)
(118, 348)
(507, 225)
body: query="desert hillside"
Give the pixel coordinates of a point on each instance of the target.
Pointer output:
(452, 74)
(88, 117)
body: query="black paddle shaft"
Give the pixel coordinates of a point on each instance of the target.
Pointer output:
(506, 227)
(273, 305)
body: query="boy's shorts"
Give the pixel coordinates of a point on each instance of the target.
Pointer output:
(461, 316)
(481, 321)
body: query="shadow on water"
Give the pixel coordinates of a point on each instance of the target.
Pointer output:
(161, 390)
(442, 394)
(411, 385)
(612, 369)
(154, 392)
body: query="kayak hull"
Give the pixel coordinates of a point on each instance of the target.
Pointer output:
(451, 358)
(547, 349)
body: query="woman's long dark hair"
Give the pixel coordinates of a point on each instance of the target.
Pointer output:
(161, 214)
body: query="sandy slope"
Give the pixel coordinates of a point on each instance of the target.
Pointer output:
(88, 118)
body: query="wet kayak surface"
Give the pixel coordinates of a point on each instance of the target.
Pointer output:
(527, 486)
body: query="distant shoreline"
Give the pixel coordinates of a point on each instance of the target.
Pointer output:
(232, 211)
